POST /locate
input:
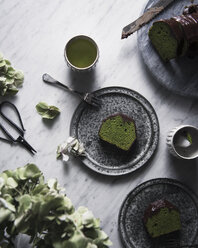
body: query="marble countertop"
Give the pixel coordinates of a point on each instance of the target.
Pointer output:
(32, 36)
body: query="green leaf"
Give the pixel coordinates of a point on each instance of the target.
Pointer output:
(20, 173)
(46, 111)
(7, 62)
(19, 78)
(91, 246)
(10, 72)
(32, 171)
(2, 78)
(11, 182)
(25, 203)
(4, 215)
(2, 63)
(11, 90)
(7, 205)
(19, 75)
(78, 240)
(21, 224)
(9, 81)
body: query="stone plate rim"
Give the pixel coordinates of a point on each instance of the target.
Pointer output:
(138, 189)
(152, 115)
(186, 92)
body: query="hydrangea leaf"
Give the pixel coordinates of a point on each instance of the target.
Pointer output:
(4, 214)
(2, 63)
(32, 171)
(11, 182)
(46, 111)
(7, 205)
(11, 90)
(24, 203)
(10, 72)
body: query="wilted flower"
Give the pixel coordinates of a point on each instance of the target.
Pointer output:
(71, 147)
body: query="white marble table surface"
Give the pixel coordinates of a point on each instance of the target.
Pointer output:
(33, 35)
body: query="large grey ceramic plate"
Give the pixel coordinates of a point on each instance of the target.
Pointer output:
(131, 226)
(104, 159)
(179, 75)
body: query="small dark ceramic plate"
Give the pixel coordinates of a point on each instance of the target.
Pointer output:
(131, 227)
(105, 159)
(178, 75)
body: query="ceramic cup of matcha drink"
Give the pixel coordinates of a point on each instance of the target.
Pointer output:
(81, 53)
(182, 142)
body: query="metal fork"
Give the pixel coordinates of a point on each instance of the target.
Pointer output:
(87, 97)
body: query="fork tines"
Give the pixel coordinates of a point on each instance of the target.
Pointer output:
(92, 100)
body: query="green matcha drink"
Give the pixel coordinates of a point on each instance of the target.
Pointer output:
(81, 52)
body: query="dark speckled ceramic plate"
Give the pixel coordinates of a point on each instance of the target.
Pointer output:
(105, 159)
(179, 75)
(131, 226)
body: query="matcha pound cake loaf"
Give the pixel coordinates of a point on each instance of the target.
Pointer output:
(161, 218)
(176, 36)
(118, 130)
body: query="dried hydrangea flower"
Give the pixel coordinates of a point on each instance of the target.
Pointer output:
(71, 147)
(10, 78)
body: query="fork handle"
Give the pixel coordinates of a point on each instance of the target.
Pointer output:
(50, 80)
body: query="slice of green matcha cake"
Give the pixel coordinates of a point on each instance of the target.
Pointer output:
(161, 218)
(118, 130)
(168, 39)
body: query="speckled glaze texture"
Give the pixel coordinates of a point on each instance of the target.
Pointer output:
(105, 159)
(178, 75)
(131, 227)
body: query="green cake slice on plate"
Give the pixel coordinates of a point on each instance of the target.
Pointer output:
(161, 218)
(118, 130)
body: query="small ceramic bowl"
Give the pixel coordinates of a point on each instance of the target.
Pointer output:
(81, 53)
(182, 142)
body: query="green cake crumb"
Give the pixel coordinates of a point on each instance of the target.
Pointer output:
(118, 130)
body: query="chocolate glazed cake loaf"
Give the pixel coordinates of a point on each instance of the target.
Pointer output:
(177, 36)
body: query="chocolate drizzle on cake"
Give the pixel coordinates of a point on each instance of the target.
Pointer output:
(178, 32)
(190, 9)
(155, 207)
